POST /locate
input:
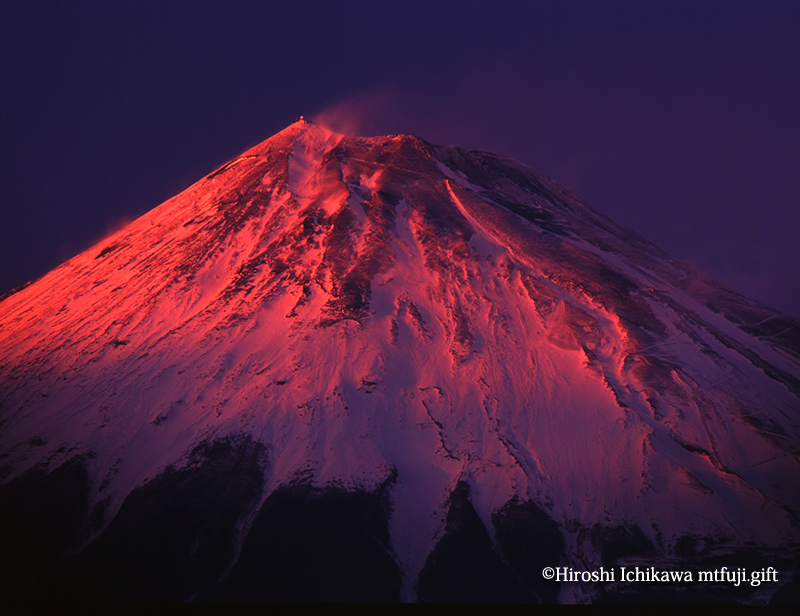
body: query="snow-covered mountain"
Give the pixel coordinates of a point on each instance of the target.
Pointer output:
(379, 369)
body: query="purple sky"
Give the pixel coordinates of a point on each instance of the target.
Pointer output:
(679, 119)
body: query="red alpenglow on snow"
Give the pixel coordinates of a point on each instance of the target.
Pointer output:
(379, 369)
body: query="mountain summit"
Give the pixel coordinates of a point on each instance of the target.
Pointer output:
(379, 369)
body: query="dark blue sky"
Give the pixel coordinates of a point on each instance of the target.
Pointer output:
(679, 119)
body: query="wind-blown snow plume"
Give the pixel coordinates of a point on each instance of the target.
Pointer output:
(363, 113)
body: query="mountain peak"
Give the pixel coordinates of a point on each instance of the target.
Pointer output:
(305, 125)
(411, 348)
